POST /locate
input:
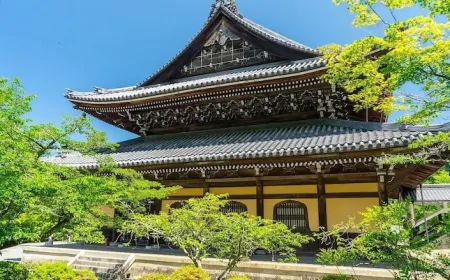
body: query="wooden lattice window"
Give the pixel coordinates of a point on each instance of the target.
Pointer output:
(292, 213)
(234, 207)
(177, 205)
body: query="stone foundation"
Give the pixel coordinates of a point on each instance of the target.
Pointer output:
(257, 270)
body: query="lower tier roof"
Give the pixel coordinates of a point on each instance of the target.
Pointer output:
(431, 193)
(308, 137)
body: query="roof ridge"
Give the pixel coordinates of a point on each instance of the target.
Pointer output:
(272, 34)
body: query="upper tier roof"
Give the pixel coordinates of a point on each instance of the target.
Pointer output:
(291, 57)
(323, 136)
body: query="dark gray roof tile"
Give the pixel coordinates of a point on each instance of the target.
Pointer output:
(219, 78)
(300, 138)
(431, 193)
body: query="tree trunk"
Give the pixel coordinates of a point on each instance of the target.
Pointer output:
(227, 271)
(63, 221)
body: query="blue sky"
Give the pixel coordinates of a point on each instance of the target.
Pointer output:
(52, 45)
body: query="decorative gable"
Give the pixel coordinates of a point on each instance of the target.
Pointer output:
(224, 50)
(227, 41)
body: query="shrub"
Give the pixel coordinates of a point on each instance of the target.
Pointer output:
(189, 273)
(238, 277)
(338, 277)
(13, 271)
(154, 276)
(58, 271)
(85, 275)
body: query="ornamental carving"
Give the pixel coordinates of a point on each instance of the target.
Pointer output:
(225, 50)
(251, 108)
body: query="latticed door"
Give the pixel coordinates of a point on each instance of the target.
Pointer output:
(292, 213)
(234, 207)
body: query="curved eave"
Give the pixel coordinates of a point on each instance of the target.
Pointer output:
(261, 73)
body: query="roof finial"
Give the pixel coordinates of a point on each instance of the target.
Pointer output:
(229, 4)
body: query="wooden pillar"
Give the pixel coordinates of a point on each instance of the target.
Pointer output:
(382, 188)
(259, 198)
(322, 203)
(205, 187)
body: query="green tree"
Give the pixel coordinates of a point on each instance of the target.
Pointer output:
(201, 230)
(387, 236)
(38, 198)
(415, 50)
(440, 177)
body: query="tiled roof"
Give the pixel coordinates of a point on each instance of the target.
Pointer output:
(431, 193)
(269, 34)
(220, 78)
(275, 140)
(250, 25)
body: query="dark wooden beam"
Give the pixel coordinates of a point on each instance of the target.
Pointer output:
(288, 177)
(259, 198)
(352, 195)
(291, 196)
(322, 202)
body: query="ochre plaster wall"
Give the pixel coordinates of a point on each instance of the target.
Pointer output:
(346, 188)
(311, 204)
(189, 192)
(340, 210)
(250, 203)
(234, 190)
(306, 189)
(165, 204)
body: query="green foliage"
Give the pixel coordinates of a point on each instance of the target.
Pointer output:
(13, 271)
(440, 177)
(387, 237)
(423, 211)
(84, 275)
(58, 271)
(238, 277)
(278, 239)
(154, 276)
(201, 230)
(38, 198)
(414, 50)
(189, 273)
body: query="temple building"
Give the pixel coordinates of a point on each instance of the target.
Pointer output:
(243, 110)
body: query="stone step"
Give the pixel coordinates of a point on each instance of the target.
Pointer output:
(107, 276)
(96, 269)
(101, 259)
(97, 263)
